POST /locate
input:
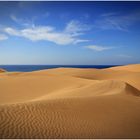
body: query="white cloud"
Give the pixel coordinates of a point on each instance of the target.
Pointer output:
(41, 33)
(70, 34)
(81, 40)
(98, 48)
(12, 31)
(3, 37)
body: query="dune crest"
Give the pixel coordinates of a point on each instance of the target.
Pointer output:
(71, 103)
(132, 67)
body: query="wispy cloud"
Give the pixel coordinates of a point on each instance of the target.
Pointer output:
(28, 22)
(14, 18)
(109, 14)
(117, 21)
(75, 28)
(3, 37)
(21, 21)
(98, 48)
(70, 34)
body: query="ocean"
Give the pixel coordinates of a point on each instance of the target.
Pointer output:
(28, 68)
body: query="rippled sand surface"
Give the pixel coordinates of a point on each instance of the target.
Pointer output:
(71, 103)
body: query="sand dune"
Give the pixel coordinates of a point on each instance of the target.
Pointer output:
(71, 103)
(132, 67)
(2, 70)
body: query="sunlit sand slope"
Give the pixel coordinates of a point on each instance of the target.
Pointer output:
(71, 103)
(132, 67)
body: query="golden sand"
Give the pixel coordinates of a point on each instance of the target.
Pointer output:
(71, 103)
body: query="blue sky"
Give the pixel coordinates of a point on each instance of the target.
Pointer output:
(71, 33)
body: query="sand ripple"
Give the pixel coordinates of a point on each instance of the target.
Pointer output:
(67, 103)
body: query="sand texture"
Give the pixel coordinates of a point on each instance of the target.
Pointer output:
(71, 103)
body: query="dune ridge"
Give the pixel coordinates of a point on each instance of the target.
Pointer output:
(131, 67)
(71, 103)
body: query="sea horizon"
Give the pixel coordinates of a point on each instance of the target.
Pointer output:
(29, 68)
